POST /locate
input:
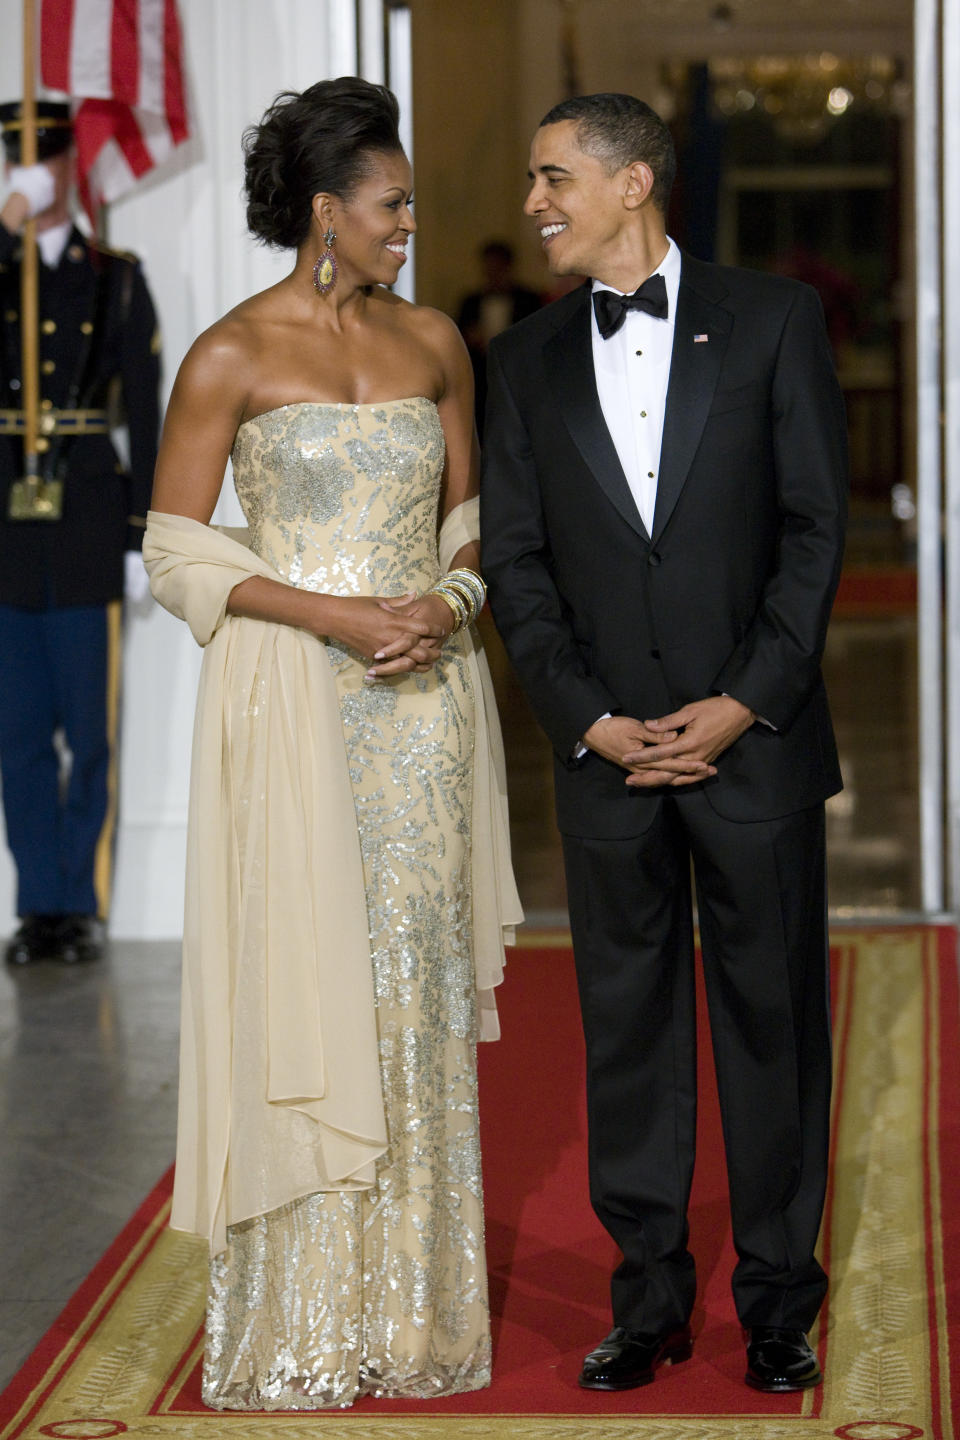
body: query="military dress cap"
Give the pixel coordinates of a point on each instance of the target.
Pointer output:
(54, 128)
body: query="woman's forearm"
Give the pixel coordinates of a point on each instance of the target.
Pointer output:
(261, 599)
(361, 622)
(468, 557)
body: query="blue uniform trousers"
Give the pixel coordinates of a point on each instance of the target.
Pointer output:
(58, 670)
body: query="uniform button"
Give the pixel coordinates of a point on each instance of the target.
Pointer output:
(87, 327)
(654, 558)
(48, 367)
(46, 404)
(10, 316)
(49, 327)
(48, 423)
(654, 654)
(643, 414)
(43, 444)
(14, 384)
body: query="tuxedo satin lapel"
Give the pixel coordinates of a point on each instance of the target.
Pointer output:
(568, 361)
(699, 341)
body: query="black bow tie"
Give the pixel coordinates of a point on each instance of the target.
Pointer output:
(611, 308)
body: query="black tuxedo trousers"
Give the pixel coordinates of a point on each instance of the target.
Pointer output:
(766, 977)
(729, 593)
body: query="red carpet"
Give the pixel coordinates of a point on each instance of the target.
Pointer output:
(548, 1257)
(892, 1230)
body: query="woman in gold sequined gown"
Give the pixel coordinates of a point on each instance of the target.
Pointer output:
(342, 1199)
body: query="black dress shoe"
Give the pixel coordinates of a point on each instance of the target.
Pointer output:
(36, 939)
(79, 940)
(628, 1358)
(780, 1360)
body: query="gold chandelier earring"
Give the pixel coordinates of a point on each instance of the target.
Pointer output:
(325, 270)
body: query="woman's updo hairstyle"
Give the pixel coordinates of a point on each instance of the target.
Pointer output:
(322, 140)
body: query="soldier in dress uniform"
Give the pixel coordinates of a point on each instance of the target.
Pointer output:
(63, 573)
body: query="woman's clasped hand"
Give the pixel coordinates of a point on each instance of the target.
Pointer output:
(405, 632)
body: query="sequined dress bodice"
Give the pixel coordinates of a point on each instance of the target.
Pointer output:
(384, 1291)
(343, 498)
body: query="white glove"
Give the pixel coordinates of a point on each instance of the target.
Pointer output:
(136, 581)
(35, 184)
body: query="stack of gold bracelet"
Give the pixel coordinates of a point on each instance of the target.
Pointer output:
(465, 593)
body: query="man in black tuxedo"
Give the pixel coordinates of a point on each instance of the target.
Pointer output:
(662, 513)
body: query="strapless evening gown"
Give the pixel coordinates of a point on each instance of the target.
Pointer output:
(381, 1291)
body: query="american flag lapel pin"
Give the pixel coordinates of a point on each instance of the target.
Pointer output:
(700, 339)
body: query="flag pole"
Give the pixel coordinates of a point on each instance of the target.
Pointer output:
(30, 497)
(30, 367)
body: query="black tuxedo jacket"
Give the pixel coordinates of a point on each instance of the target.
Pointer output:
(732, 591)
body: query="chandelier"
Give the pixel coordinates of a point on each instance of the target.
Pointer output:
(803, 95)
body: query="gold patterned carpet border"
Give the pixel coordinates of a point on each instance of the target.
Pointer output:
(120, 1359)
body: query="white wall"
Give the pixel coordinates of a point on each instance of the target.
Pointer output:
(187, 225)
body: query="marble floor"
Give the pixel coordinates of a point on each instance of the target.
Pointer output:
(88, 1055)
(88, 1063)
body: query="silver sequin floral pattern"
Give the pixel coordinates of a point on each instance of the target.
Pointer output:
(381, 1292)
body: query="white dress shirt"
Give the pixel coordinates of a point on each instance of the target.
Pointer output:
(52, 243)
(632, 369)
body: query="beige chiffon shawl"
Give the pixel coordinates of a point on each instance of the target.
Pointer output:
(279, 1077)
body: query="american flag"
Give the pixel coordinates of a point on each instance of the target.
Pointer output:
(121, 62)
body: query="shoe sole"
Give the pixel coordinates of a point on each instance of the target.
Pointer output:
(672, 1357)
(784, 1387)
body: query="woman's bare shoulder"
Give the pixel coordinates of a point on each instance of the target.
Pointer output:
(430, 327)
(231, 339)
(226, 354)
(423, 319)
